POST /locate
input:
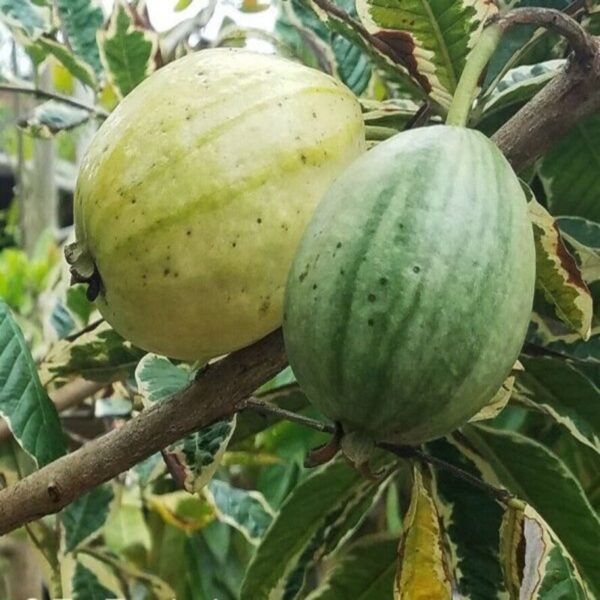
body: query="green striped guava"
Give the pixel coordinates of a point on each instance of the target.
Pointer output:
(409, 298)
(194, 193)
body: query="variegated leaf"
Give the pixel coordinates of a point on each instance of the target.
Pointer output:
(536, 565)
(339, 525)
(558, 275)
(365, 572)
(560, 390)
(24, 404)
(312, 513)
(584, 238)
(86, 584)
(542, 479)
(24, 19)
(81, 19)
(75, 65)
(127, 52)
(569, 172)
(246, 511)
(182, 510)
(431, 39)
(52, 117)
(194, 459)
(98, 355)
(84, 518)
(471, 521)
(500, 399)
(422, 565)
(518, 86)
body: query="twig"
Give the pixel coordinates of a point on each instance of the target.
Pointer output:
(409, 452)
(44, 95)
(87, 329)
(580, 41)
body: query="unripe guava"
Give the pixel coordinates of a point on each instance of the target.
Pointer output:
(194, 193)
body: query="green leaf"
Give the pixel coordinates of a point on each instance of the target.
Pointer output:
(471, 519)
(77, 67)
(516, 88)
(86, 516)
(422, 565)
(24, 404)
(158, 378)
(52, 117)
(569, 172)
(194, 459)
(127, 51)
(430, 38)
(558, 275)
(246, 511)
(536, 566)
(81, 19)
(126, 531)
(99, 355)
(560, 390)
(524, 44)
(182, 5)
(365, 572)
(300, 518)
(86, 586)
(22, 17)
(539, 477)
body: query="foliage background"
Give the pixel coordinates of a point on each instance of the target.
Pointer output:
(258, 523)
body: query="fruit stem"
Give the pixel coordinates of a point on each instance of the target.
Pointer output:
(469, 81)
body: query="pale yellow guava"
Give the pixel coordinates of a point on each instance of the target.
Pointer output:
(194, 193)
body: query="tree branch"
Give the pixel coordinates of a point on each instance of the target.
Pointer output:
(218, 393)
(570, 97)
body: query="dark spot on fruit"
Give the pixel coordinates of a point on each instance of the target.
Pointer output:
(342, 271)
(144, 276)
(338, 245)
(166, 272)
(233, 244)
(133, 201)
(279, 104)
(371, 297)
(383, 280)
(370, 322)
(315, 286)
(314, 115)
(302, 276)
(284, 226)
(264, 307)
(416, 269)
(401, 225)
(189, 232)
(303, 158)
(259, 220)
(176, 274)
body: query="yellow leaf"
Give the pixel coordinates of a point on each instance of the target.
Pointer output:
(182, 510)
(423, 572)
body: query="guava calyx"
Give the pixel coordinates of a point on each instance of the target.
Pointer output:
(83, 269)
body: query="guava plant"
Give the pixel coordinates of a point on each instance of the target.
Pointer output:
(437, 434)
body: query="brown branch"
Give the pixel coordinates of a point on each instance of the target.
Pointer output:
(218, 393)
(570, 97)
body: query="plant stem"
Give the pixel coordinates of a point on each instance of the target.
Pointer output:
(469, 82)
(402, 451)
(44, 95)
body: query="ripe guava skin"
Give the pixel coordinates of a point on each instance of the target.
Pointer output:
(194, 193)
